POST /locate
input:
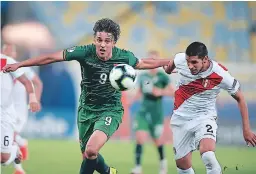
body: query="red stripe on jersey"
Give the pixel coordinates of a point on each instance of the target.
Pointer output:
(3, 63)
(195, 87)
(223, 67)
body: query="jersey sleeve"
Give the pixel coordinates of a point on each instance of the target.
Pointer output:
(133, 61)
(179, 60)
(76, 53)
(30, 74)
(229, 83)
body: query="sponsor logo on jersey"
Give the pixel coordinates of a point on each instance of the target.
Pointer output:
(70, 50)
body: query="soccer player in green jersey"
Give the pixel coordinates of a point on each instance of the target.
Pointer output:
(153, 85)
(100, 110)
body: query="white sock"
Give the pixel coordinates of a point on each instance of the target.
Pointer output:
(13, 155)
(137, 169)
(163, 163)
(18, 166)
(211, 163)
(188, 171)
(20, 141)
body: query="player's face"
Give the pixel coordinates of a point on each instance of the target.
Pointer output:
(104, 43)
(9, 50)
(195, 64)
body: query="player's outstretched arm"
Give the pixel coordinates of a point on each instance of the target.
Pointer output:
(36, 61)
(169, 90)
(135, 98)
(169, 68)
(34, 106)
(249, 136)
(152, 63)
(38, 87)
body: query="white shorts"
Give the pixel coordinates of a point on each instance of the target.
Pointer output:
(7, 129)
(188, 134)
(21, 119)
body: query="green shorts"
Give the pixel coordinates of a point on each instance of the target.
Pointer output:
(89, 121)
(151, 121)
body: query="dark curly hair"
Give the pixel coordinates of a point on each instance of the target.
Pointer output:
(109, 26)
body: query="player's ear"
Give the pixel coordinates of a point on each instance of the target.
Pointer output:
(205, 59)
(114, 44)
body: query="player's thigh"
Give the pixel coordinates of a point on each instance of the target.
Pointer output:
(156, 132)
(108, 122)
(7, 136)
(183, 140)
(140, 122)
(206, 135)
(141, 127)
(141, 136)
(20, 122)
(156, 126)
(85, 127)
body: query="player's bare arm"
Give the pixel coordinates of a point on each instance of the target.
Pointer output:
(249, 136)
(151, 63)
(169, 67)
(169, 90)
(34, 106)
(135, 98)
(36, 61)
(38, 87)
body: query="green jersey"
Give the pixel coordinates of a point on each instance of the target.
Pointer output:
(146, 82)
(97, 94)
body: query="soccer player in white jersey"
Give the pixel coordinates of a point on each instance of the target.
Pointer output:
(9, 150)
(194, 117)
(20, 101)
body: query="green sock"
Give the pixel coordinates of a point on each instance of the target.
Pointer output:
(88, 166)
(101, 166)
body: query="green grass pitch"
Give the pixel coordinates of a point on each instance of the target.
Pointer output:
(63, 157)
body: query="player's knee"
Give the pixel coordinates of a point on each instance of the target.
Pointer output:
(207, 144)
(5, 157)
(141, 139)
(158, 141)
(211, 163)
(91, 152)
(183, 163)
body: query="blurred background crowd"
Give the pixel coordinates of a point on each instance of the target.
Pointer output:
(227, 28)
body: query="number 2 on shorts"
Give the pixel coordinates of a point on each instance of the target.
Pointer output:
(108, 121)
(209, 128)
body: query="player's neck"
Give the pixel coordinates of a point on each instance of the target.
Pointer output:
(206, 66)
(105, 58)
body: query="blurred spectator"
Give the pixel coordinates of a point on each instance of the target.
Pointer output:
(4, 10)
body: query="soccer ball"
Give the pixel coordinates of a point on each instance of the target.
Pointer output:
(123, 77)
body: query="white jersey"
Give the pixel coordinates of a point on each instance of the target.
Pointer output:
(20, 93)
(196, 95)
(7, 83)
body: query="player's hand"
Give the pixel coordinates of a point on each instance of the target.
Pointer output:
(34, 106)
(157, 92)
(167, 70)
(249, 137)
(11, 67)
